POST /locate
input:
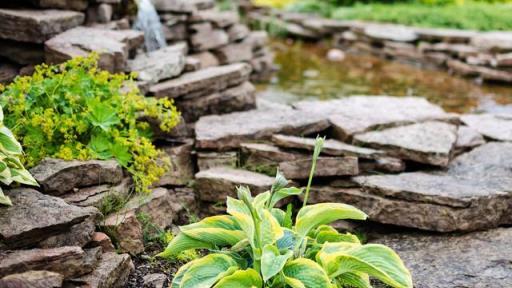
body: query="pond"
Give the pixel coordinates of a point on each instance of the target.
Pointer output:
(305, 73)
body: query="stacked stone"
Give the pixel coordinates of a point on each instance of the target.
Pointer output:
(486, 56)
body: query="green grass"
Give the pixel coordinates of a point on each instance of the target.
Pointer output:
(470, 15)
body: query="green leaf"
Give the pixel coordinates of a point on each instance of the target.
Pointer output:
(288, 240)
(241, 279)
(102, 115)
(284, 193)
(176, 281)
(373, 259)
(354, 280)
(305, 273)
(100, 145)
(206, 271)
(122, 154)
(182, 242)
(242, 215)
(325, 233)
(270, 229)
(4, 200)
(23, 176)
(312, 216)
(272, 262)
(279, 183)
(8, 143)
(217, 230)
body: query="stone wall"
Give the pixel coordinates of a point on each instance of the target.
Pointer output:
(486, 56)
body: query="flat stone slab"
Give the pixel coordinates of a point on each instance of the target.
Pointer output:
(493, 41)
(479, 259)
(160, 64)
(215, 184)
(96, 195)
(57, 176)
(33, 279)
(473, 193)
(35, 217)
(265, 158)
(359, 114)
(203, 82)
(69, 261)
(182, 6)
(229, 130)
(491, 126)
(395, 33)
(445, 35)
(331, 147)
(468, 138)
(428, 142)
(326, 167)
(127, 230)
(112, 271)
(208, 160)
(36, 26)
(113, 46)
(157, 207)
(220, 19)
(205, 37)
(181, 171)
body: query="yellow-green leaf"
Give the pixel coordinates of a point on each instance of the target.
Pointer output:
(354, 280)
(243, 217)
(241, 279)
(220, 231)
(270, 229)
(272, 262)
(182, 242)
(305, 273)
(206, 271)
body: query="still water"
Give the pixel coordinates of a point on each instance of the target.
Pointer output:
(305, 73)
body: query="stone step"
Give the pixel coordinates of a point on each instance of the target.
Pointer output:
(326, 167)
(36, 26)
(57, 176)
(215, 184)
(357, 114)
(113, 46)
(428, 142)
(265, 158)
(97, 195)
(227, 131)
(493, 127)
(203, 82)
(479, 259)
(472, 194)
(35, 218)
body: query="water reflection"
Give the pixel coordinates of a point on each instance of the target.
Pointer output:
(305, 73)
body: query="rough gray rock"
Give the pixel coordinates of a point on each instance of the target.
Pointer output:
(468, 138)
(238, 32)
(220, 19)
(21, 52)
(228, 131)
(96, 195)
(36, 26)
(479, 259)
(427, 142)
(203, 82)
(215, 184)
(184, 204)
(474, 193)
(35, 217)
(161, 64)
(100, 239)
(78, 235)
(113, 46)
(331, 147)
(265, 158)
(493, 41)
(445, 35)
(206, 58)
(359, 114)
(206, 37)
(181, 171)
(112, 272)
(238, 98)
(490, 126)
(192, 64)
(126, 231)
(326, 166)
(8, 72)
(154, 280)
(182, 6)
(396, 33)
(70, 261)
(57, 176)
(79, 5)
(157, 206)
(33, 279)
(235, 52)
(207, 160)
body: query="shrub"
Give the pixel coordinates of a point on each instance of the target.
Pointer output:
(11, 168)
(257, 245)
(76, 111)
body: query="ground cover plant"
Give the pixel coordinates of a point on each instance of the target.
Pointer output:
(11, 168)
(77, 111)
(258, 245)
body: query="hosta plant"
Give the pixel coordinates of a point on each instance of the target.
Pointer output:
(258, 245)
(11, 168)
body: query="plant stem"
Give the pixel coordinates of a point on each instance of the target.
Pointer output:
(318, 147)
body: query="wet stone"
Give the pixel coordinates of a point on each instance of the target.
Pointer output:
(215, 184)
(490, 126)
(36, 26)
(57, 176)
(359, 114)
(481, 258)
(35, 217)
(203, 82)
(33, 279)
(112, 271)
(428, 142)
(228, 131)
(326, 167)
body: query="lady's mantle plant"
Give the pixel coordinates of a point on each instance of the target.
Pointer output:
(258, 245)
(11, 169)
(76, 111)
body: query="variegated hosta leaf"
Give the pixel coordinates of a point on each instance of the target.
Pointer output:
(220, 230)
(23, 176)
(272, 262)
(4, 200)
(284, 193)
(260, 200)
(354, 280)
(206, 271)
(270, 229)
(241, 279)
(182, 243)
(176, 281)
(325, 233)
(8, 143)
(288, 241)
(279, 183)
(243, 217)
(305, 273)
(373, 259)
(312, 216)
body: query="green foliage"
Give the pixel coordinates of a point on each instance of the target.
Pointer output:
(471, 15)
(76, 111)
(258, 245)
(11, 168)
